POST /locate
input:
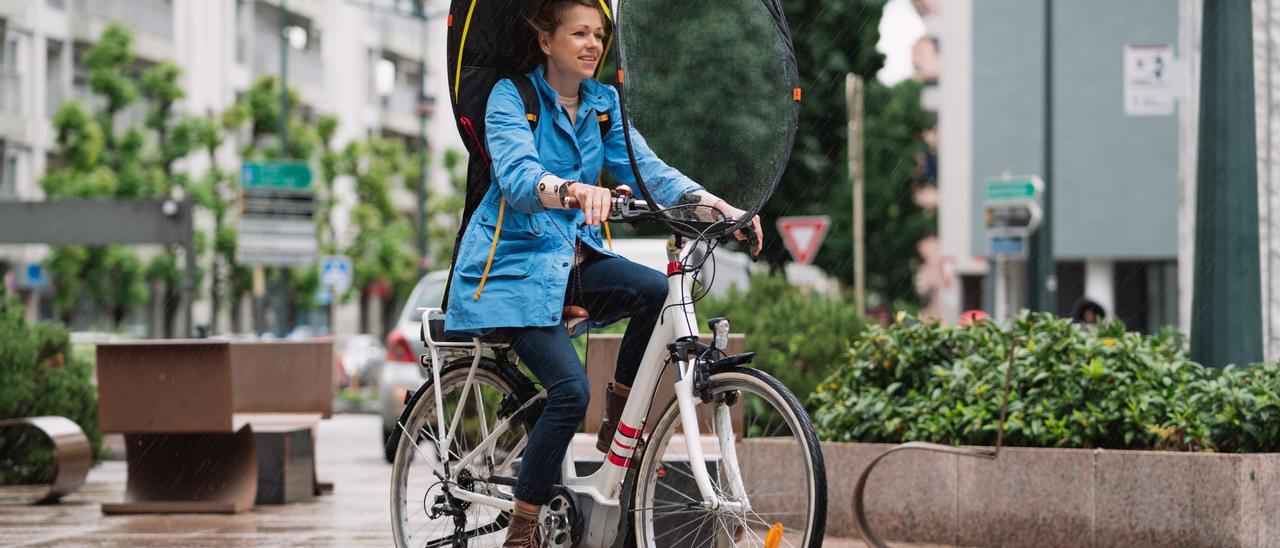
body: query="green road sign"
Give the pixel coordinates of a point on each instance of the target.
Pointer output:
(276, 175)
(1020, 188)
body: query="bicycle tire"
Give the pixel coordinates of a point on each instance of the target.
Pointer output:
(414, 493)
(655, 475)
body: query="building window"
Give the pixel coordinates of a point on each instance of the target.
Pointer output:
(8, 173)
(10, 77)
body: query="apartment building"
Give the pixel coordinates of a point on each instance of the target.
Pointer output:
(358, 60)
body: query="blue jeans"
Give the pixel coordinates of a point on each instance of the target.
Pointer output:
(610, 289)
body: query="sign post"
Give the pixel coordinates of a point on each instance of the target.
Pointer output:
(336, 275)
(277, 224)
(803, 235)
(1012, 214)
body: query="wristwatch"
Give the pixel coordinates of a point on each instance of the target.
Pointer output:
(564, 193)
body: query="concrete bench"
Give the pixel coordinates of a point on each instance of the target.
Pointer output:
(189, 411)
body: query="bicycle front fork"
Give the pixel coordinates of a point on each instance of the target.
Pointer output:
(735, 499)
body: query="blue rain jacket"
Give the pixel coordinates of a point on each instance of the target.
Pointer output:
(525, 286)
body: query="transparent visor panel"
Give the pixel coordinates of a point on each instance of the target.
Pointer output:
(709, 88)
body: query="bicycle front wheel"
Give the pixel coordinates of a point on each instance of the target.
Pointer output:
(425, 510)
(783, 486)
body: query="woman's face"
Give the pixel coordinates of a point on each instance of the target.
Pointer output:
(577, 44)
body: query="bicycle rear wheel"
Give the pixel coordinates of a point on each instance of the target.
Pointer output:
(776, 453)
(424, 510)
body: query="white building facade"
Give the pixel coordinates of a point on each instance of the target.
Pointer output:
(356, 60)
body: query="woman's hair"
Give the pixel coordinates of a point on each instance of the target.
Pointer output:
(550, 16)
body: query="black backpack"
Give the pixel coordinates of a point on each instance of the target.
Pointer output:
(487, 43)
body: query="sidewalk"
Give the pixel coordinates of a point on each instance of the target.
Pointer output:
(354, 515)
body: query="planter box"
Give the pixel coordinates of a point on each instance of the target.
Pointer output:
(1054, 497)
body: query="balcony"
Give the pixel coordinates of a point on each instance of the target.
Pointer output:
(154, 17)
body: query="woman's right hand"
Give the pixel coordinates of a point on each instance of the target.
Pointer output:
(594, 201)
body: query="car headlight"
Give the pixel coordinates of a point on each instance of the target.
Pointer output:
(720, 330)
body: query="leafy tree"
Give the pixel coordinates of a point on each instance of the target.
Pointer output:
(100, 163)
(215, 192)
(174, 139)
(381, 250)
(703, 90)
(445, 211)
(894, 222)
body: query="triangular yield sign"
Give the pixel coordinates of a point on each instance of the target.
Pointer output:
(803, 235)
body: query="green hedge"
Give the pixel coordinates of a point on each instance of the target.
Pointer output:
(800, 337)
(39, 376)
(1073, 387)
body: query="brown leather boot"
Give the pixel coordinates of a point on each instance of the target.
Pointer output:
(615, 398)
(522, 530)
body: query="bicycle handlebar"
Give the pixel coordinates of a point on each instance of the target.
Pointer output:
(624, 207)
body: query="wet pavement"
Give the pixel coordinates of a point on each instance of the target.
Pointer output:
(356, 514)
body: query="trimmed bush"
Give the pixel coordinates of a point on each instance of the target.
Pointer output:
(1074, 386)
(39, 376)
(800, 337)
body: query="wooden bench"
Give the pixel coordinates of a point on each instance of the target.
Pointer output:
(189, 410)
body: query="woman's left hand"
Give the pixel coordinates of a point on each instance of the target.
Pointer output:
(735, 213)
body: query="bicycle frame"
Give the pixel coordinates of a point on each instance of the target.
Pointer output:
(604, 486)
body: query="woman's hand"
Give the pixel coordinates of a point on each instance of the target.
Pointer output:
(735, 213)
(594, 201)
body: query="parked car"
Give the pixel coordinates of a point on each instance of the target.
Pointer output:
(401, 371)
(360, 359)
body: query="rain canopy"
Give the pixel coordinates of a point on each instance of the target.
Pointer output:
(711, 86)
(713, 89)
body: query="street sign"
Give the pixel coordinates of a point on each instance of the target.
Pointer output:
(336, 272)
(1007, 246)
(277, 215)
(1013, 216)
(275, 175)
(1149, 73)
(32, 276)
(269, 242)
(1013, 189)
(803, 235)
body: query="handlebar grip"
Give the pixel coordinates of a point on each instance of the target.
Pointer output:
(752, 242)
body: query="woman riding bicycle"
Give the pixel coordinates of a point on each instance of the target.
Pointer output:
(547, 257)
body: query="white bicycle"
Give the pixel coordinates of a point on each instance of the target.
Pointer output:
(731, 460)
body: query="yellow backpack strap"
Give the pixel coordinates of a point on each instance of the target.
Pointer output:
(497, 230)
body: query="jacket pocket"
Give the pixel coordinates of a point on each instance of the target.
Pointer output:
(513, 256)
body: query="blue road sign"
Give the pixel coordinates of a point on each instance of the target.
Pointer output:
(336, 272)
(32, 276)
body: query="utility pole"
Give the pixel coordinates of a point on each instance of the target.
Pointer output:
(281, 282)
(420, 224)
(1226, 310)
(1042, 275)
(853, 105)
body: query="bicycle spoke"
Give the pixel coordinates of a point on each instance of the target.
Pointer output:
(697, 526)
(767, 412)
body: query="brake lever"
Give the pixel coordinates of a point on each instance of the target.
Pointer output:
(752, 241)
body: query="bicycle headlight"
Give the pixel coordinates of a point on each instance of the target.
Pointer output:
(720, 330)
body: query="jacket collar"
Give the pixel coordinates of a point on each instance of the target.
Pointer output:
(592, 93)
